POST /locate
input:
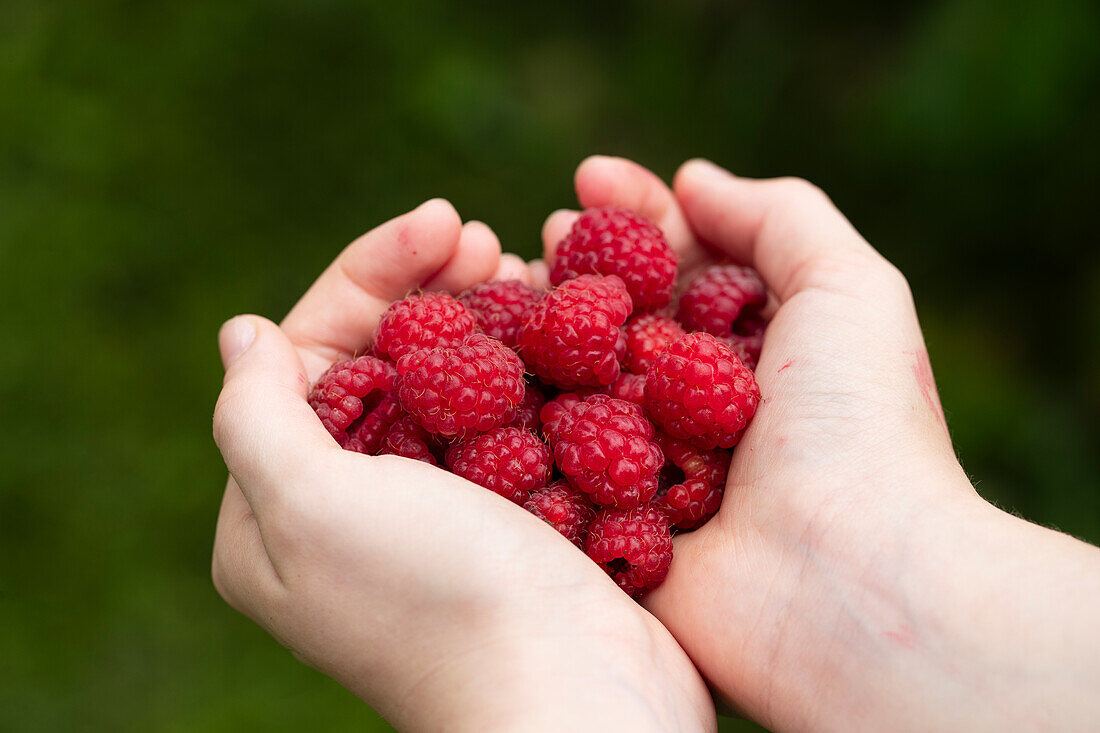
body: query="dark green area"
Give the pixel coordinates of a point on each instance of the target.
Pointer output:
(166, 165)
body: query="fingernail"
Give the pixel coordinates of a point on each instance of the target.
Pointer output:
(234, 338)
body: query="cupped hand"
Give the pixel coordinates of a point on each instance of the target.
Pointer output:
(791, 601)
(436, 601)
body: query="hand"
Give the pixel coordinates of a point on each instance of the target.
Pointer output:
(436, 601)
(853, 579)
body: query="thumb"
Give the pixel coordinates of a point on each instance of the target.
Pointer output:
(264, 427)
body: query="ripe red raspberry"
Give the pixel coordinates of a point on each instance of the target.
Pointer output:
(691, 483)
(634, 547)
(422, 321)
(719, 297)
(553, 411)
(629, 387)
(646, 336)
(456, 392)
(605, 448)
(337, 395)
(619, 242)
(527, 414)
(574, 336)
(406, 438)
(564, 508)
(747, 348)
(509, 461)
(501, 307)
(698, 390)
(366, 434)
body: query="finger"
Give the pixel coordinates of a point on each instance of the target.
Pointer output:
(512, 267)
(540, 274)
(266, 431)
(554, 229)
(474, 260)
(338, 314)
(242, 571)
(605, 181)
(786, 228)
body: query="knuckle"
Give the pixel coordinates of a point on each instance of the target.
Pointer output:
(226, 409)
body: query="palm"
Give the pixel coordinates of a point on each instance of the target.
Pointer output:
(820, 455)
(443, 540)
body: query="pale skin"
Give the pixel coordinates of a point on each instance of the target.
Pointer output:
(852, 580)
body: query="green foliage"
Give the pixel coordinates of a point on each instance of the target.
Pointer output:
(166, 165)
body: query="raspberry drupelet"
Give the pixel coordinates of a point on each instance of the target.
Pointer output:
(407, 439)
(527, 414)
(366, 434)
(609, 241)
(574, 336)
(698, 390)
(646, 336)
(554, 410)
(629, 387)
(605, 448)
(509, 461)
(633, 546)
(422, 321)
(457, 392)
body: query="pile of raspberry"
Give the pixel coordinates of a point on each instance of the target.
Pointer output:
(608, 407)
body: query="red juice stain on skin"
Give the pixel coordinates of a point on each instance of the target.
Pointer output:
(403, 242)
(784, 366)
(903, 637)
(922, 370)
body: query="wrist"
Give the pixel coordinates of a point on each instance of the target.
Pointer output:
(954, 614)
(540, 670)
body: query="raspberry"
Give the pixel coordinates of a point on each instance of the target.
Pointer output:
(337, 395)
(698, 390)
(456, 392)
(509, 461)
(574, 336)
(692, 482)
(422, 320)
(747, 348)
(527, 414)
(633, 546)
(748, 339)
(406, 438)
(500, 308)
(719, 297)
(605, 448)
(629, 387)
(646, 336)
(564, 508)
(553, 411)
(619, 242)
(366, 434)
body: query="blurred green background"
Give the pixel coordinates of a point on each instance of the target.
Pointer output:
(165, 165)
